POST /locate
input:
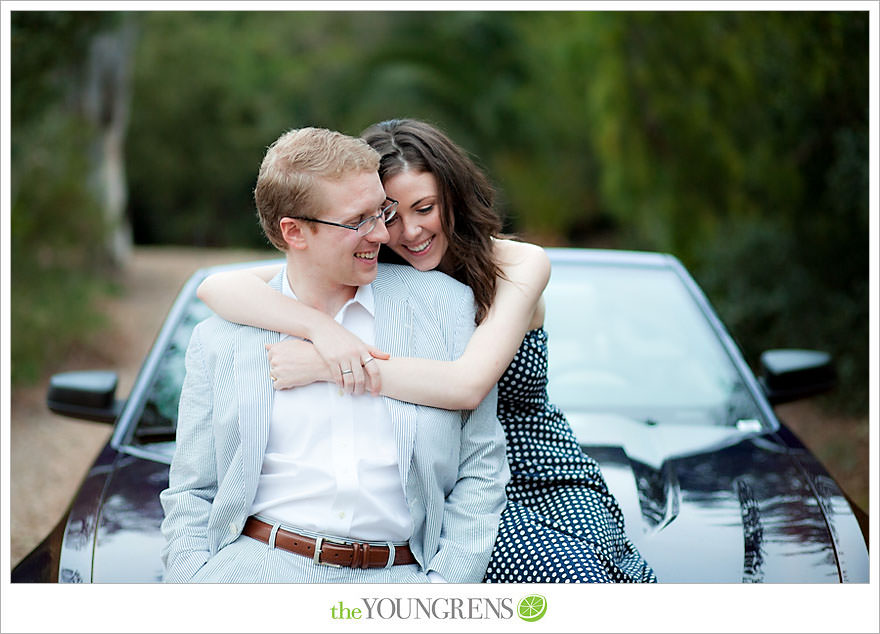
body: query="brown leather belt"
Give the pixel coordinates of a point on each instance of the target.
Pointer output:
(329, 553)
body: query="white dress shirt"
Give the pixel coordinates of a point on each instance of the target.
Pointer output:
(330, 464)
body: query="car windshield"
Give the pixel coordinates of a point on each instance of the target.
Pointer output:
(158, 420)
(631, 340)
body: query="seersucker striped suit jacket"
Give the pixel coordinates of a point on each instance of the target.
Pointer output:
(453, 464)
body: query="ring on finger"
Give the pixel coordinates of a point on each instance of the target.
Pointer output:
(347, 372)
(367, 361)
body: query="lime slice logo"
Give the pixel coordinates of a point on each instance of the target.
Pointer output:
(532, 607)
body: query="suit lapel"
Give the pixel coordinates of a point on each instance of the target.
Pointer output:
(255, 396)
(394, 335)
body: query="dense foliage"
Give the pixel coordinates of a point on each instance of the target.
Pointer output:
(56, 219)
(735, 140)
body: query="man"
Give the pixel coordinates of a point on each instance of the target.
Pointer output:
(271, 486)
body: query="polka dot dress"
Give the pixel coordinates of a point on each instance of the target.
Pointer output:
(561, 523)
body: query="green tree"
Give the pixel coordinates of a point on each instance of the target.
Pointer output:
(738, 141)
(56, 218)
(212, 90)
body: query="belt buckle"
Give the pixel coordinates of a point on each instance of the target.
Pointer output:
(317, 556)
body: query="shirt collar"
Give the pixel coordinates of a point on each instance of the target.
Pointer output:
(363, 296)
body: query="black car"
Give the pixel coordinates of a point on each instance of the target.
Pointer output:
(713, 486)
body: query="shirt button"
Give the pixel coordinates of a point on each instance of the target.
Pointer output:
(233, 528)
(341, 514)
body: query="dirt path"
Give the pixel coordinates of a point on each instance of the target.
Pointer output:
(50, 454)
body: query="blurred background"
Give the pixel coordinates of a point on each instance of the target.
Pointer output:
(738, 141)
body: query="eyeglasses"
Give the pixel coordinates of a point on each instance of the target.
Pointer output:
(365, 226)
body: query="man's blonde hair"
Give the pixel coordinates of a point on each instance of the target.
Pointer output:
(292, 167)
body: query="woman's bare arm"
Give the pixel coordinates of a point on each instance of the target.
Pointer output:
(464, 383)
(243, 296)
(459, 384)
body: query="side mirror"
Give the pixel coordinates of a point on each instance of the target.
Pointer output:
(88, 395)
(789, 375)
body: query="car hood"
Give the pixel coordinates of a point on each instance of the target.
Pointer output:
(751, 507)
(743, 505)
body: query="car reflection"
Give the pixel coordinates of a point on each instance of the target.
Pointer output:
(128, 530)
(781, 531)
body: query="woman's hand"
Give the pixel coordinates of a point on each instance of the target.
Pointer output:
(295, 362)
(348, 359)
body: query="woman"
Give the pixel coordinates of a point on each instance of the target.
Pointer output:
(561, 523)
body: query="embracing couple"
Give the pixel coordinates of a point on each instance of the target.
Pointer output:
(346, 420)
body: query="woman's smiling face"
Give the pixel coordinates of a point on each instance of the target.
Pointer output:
(416, 232)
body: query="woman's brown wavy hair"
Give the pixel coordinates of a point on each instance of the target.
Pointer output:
(465, 197)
